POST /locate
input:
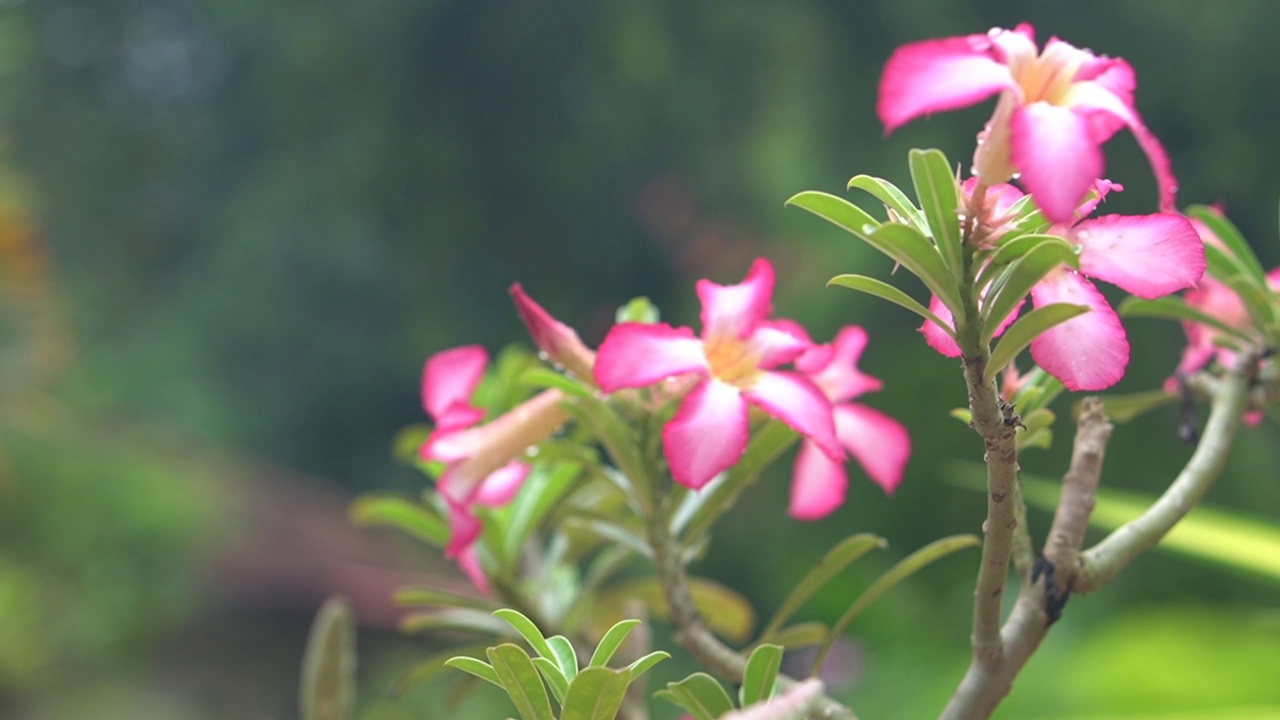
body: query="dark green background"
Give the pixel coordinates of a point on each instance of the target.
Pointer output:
(262, 216)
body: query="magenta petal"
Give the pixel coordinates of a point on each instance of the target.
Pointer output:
(558, 341)
(937, 75)
(464, 529)
(1051, 147)
(469, 561)
(797, 401)
(818, 484)
(707, 435)
(736, 310)
(502, 485)
(779, 341)
(449, 446)
(449, 379)
(936, 337)
(839, 377)
(1087, 352)
(639, 354)
(1149, 256)
(879, 443)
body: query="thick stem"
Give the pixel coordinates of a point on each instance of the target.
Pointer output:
(1099, 564)
(1079, 487)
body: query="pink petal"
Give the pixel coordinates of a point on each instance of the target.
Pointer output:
(1088, 352)
(1149, 256)
(464, 529)
(639, 354)
(707, 435)
(818, 484)
(449, 379)
(448, 446)
(838, 375)
(559, 341)
(936, 337)
(1058, 159)
(779, 341)
(879, 443)
(502, 485)
(736, 310)
(469, 561)
(938, 75)
(1105, 106)
(797, 401)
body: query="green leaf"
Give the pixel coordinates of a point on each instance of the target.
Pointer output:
(1231, 539)
(520, 678)
(893, 198)
(1003, 297)
(1256, 299)
(611, 641)
(885, 291)
(1240, 252)
(643, 664)
(1028, 328)
(939, 196)
(800, 635)
(419, 521)
(474, 666)
(1175, 308)
(544, 377)
(760, 674)
(1035, 432)
(1123, 408)
(728, 614)
(453, 618)
(328, 687)
(527, 630)
(836, 559)
(905, 568)
(638, 310)
(564, 655)
(406, 443)
(419, 596)
(1011, 250)
(554, 676)
(542, 491)
(700, 694)
(901, 243)
(596, 694)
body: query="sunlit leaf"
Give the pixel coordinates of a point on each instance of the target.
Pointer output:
(554, 676)
(939, 195)
(893, 198)
(543, 489)
(473, 666)
(1003, 297)
(328, 687)
(700, 694)
(643, 664)
(522, 681)
(1028, 328)
(564, 655)
(453, 618)
(611, 641)
(638, 310)
(544, 377)
(760, 674)
(885, 291)
(836, 559)
(596, 694)
(527, 630)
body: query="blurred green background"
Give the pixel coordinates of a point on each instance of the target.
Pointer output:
(231, 231)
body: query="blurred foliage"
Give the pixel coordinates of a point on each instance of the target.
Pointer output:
(261, 217)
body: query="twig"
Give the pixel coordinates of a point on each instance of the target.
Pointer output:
(1079, 489)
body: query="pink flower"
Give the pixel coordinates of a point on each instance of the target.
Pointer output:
(878, 442)
(1149, 256)
(558, 341)
(733, 361)
(1056, 108)
(482, 465)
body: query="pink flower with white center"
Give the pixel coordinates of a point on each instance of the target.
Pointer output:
(733, 361)
(482, 465)
(1056, 108)
(878, 442)
(1149, 256)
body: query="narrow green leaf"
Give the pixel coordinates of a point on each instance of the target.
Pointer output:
(1220, 263)
(800, 635)
(452, 618)
(760, 674)
(554, 676)
(564, 655)
(544, 377)
(1011, 250)
(905, 568)
(596, 694)
(638, 310)
(608, 531)
(1018, 281)
(1226, 231)
(1256, 298)
(328, 687)
(522, 681)
(836, 559)
(643, 664)
(902, 243)
(1124, 408)
(939, 196)
(700, 694)
(415, 519)
(611, 641)
(728, 613)
(419, 596)
(885, 291)
(542, 490)
(1028, 328)
(527, 630)
(1175, 308)
(474, 666)
(893, 198)
(1035, 430)
(699, 510)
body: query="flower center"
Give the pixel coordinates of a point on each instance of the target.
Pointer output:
(732, 360)
(1049, 77)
